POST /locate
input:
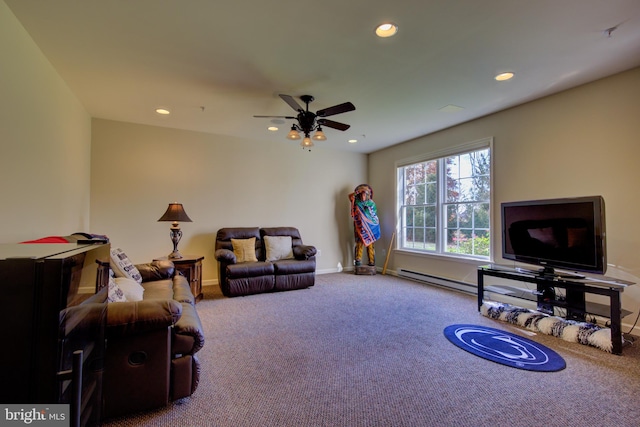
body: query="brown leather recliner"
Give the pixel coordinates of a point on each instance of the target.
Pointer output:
(245, 278)
(152, 344)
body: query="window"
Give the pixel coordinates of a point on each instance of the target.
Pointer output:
(444, 204)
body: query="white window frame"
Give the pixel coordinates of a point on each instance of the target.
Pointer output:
(440, 250)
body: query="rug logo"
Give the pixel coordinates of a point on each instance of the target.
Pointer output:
(501, 346)
(504, 348)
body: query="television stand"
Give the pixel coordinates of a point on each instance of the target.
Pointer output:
(575, 290)
(550, 273)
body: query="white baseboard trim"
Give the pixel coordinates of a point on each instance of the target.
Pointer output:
(210, 282)
(438, 281)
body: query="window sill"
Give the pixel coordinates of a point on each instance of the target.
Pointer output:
(445, 257)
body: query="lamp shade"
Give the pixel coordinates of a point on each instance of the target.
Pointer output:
(293, 134)
(175, 213)
(319, 135)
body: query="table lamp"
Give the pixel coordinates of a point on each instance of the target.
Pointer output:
(175, 213)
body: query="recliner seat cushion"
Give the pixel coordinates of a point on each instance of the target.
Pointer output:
(288, 282)
(249, 285)
(158, 289)
(284, 267)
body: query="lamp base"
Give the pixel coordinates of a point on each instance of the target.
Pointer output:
(175, 255)
(176, 235)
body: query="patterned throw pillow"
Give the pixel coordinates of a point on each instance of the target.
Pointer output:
(115, 293)
(244, 249)
(133, 291)
(122, 266)
(278, 247)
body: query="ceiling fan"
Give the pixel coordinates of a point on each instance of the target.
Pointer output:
(308, 122)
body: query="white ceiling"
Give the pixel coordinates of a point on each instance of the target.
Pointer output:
(215, 64)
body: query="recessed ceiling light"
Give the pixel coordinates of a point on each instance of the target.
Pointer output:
(272, 128)
(504, 76)
(163, 111)
(386, 29)
(353, 141)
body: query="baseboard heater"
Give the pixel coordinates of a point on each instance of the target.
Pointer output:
(438, 281)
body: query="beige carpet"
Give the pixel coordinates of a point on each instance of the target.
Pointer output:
(370, 351)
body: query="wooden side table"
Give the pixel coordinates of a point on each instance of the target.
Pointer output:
(191, 267)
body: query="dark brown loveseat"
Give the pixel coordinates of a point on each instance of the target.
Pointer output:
(274, 267)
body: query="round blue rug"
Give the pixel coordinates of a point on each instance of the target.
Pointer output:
(504, 348)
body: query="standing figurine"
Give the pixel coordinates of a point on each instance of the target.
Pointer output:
(365, 222)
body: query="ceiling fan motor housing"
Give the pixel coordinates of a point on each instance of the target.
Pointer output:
(307, 120)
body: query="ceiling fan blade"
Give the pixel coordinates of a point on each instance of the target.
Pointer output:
(275, 117)
(332, 124)
(292, 102)
(336, 109)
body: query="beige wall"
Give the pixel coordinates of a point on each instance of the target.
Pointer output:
(581, 142)
(222, 182)
(45, 141)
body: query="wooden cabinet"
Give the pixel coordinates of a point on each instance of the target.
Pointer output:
(56, 323)
(191, 267)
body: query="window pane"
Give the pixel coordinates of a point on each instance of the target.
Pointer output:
(430, 216)
(481, 215)
(431, 193)
(410, 195)
(420, 194)
(408, 217)
(453, 190)
(408, 238)
(481, 243)
(418, 217)
(465, 211)
(430, 239)
(419, 238)
(452, 216)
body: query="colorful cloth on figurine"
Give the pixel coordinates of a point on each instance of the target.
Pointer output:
(365, 220)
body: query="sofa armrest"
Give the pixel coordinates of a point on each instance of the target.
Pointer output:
(225, 255)
(188, 326)
(181, 290)
(156, 270)
(135, 317)
(304, 251)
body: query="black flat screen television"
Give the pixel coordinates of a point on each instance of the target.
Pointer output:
(564, 233)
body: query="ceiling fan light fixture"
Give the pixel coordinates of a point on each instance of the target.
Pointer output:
(293, 134)
(386, 29)
(306, 142)
(319, 135)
